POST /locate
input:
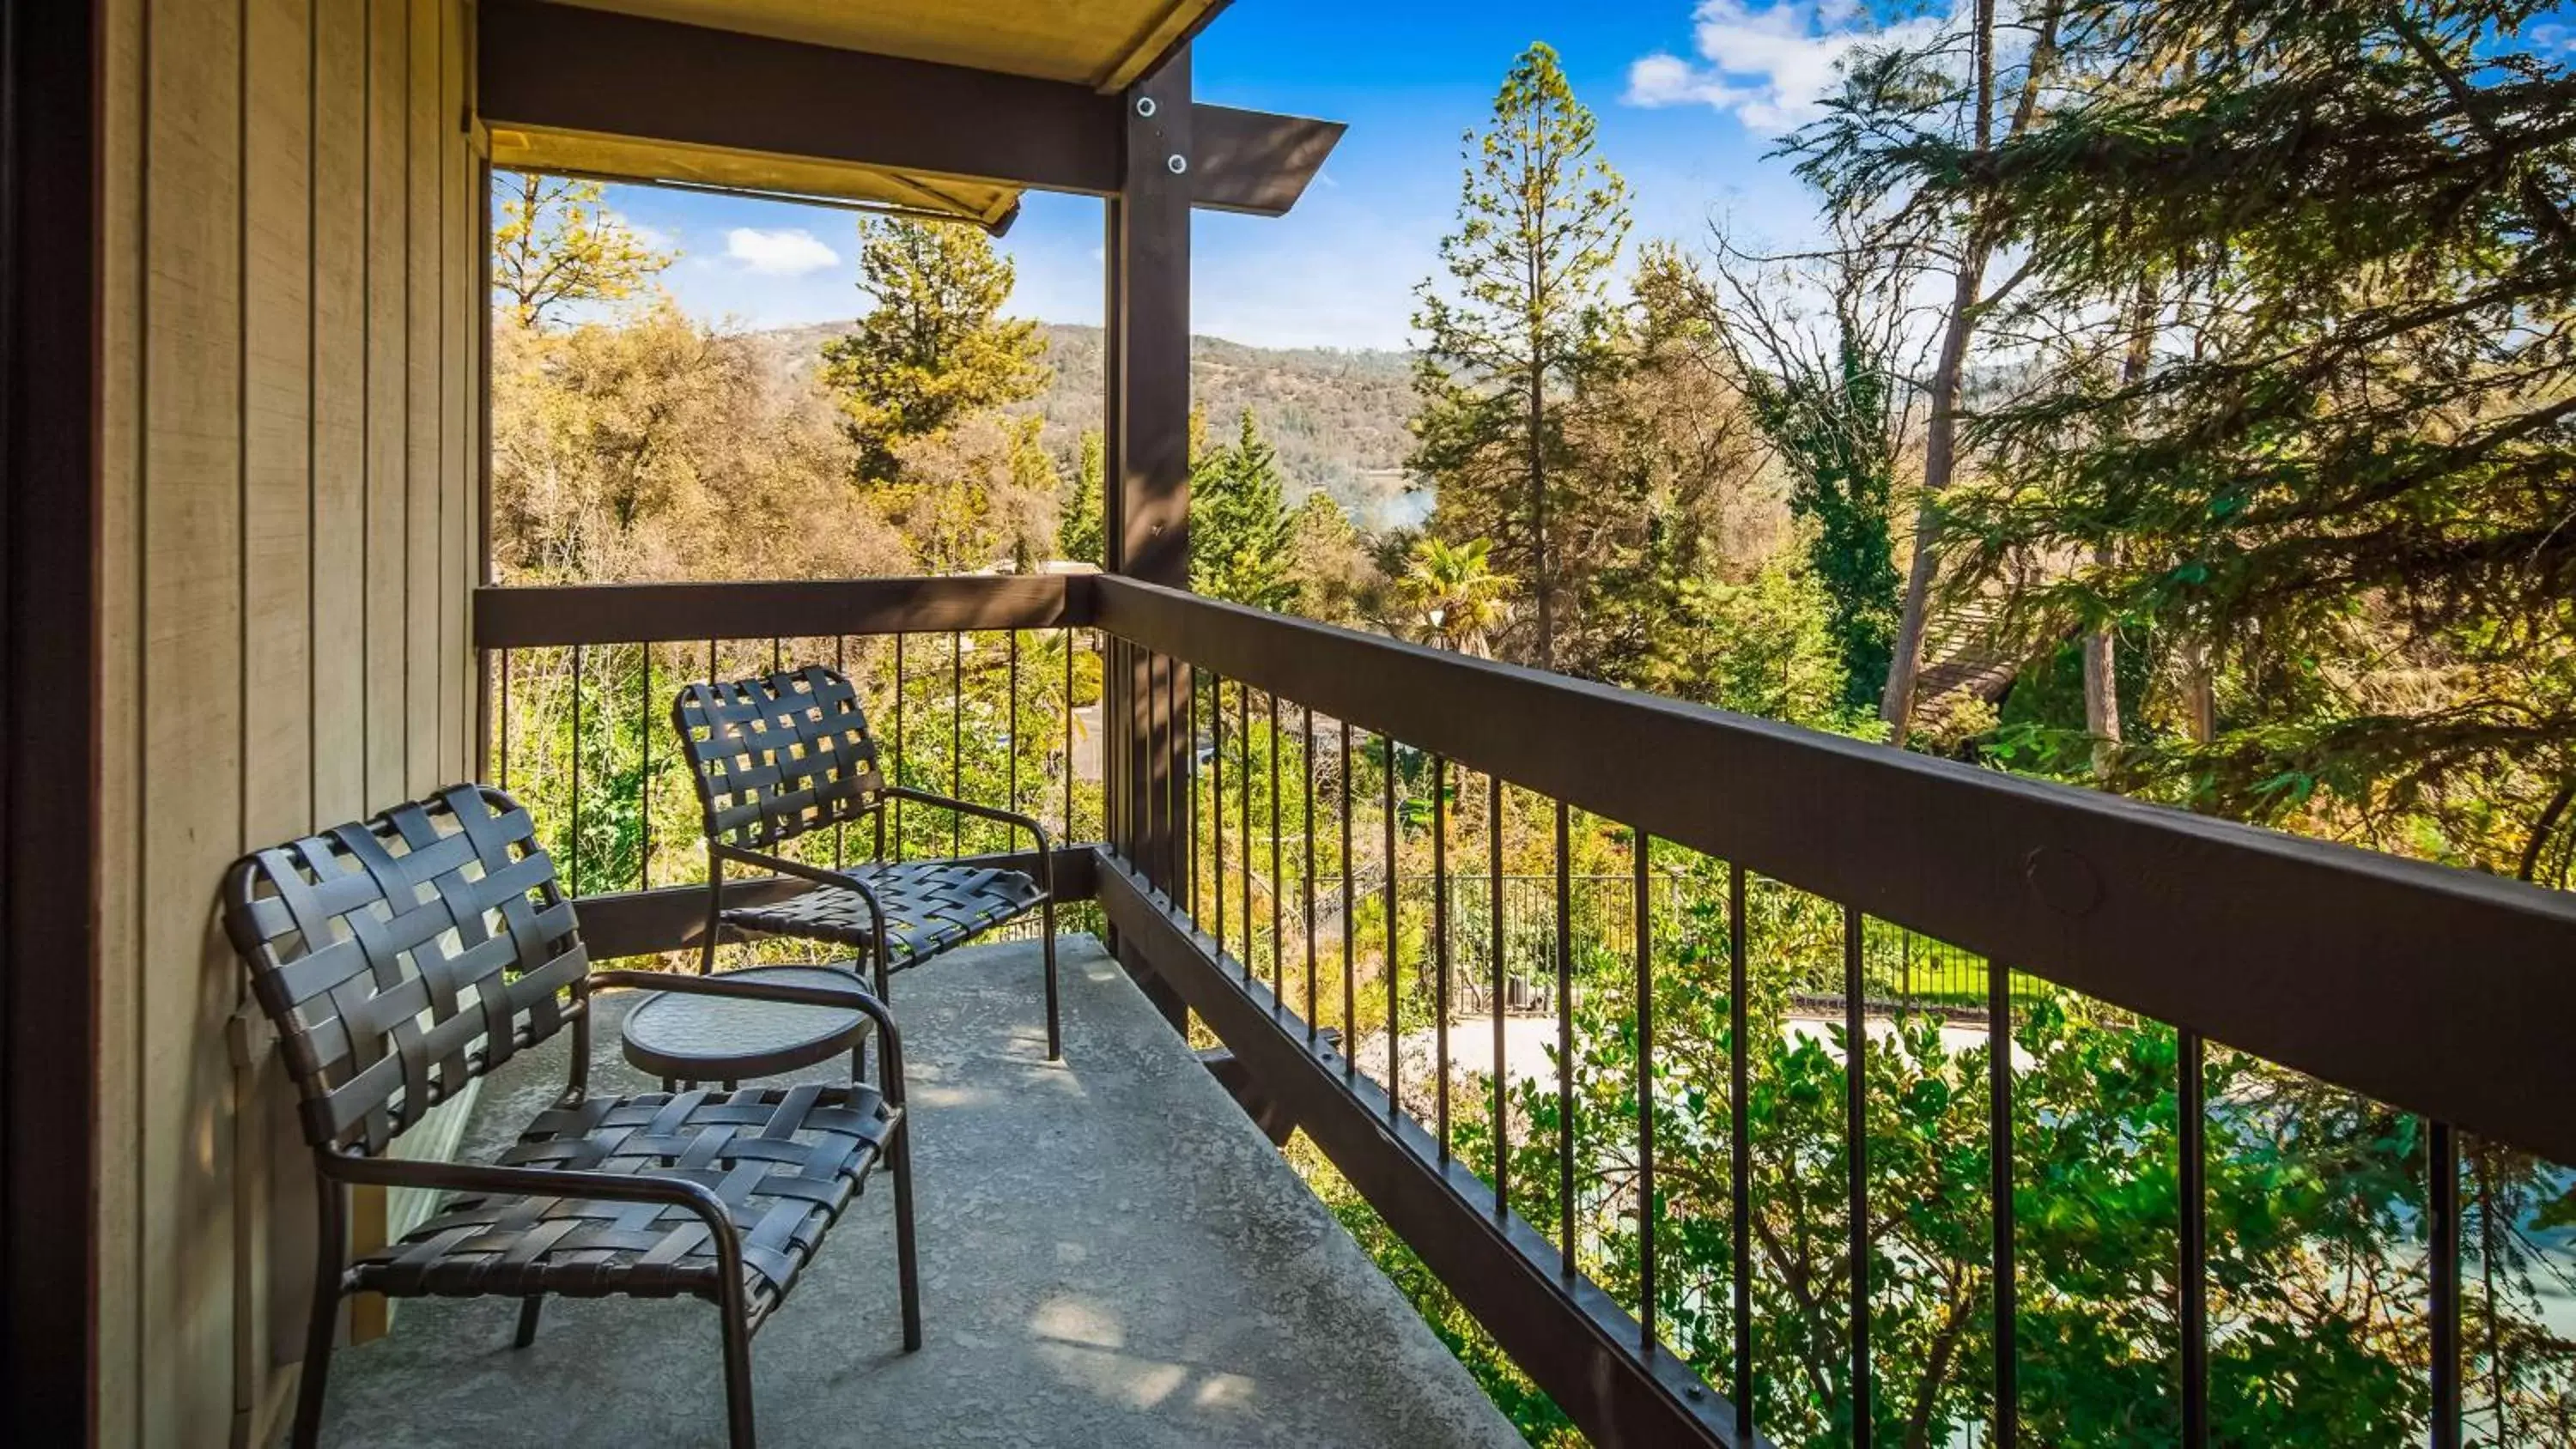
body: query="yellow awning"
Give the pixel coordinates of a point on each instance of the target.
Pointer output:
(1102, 43)
(627, 158)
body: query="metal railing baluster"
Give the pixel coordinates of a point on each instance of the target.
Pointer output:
(1565, 1037)
(1011, 729)
(1440, 943)
(505, 719)
(1856, 1165)
(1394, 976)
(1306, 777)
(1494, 914)
(840, 829)
(572, 838)
(1216, 801)
(2442, 1175)
(1350, 930)
(1999, 1073)
(2193, 1267)
(1251, 961)
(1645, 1096)
(1278, 897)
(1739, 1094)
(644, 780)
(956, 739)
(895, 768)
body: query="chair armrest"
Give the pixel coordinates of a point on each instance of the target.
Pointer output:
(722, 984)
(818, 875)
(1046, 849)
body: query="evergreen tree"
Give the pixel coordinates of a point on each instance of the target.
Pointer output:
(933, 348)
(2345, 478)
(1241, 533)
(1524, 322)
(1083, 536)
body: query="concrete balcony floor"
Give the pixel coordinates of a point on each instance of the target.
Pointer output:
(1111, 1256)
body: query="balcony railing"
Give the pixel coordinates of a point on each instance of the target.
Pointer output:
(1340, 852)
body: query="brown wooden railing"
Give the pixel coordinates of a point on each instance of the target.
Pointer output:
(2438, 992)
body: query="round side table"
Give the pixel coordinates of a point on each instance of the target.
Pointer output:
(684, 1038)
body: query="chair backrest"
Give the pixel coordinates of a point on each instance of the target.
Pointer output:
(403, 956)
(778, 756)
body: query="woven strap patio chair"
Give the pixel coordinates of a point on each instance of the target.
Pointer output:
(788, 755)
(404, 956)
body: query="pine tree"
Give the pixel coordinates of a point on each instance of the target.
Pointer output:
(1241, 533)
(2345, 477)
(1084, 535)
(1523, 323)
(933, 348)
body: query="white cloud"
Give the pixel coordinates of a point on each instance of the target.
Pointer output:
(782, 252)
(1769, 65)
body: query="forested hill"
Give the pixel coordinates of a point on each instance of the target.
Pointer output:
(1336, 417)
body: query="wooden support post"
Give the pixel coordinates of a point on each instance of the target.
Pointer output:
(1147, 434)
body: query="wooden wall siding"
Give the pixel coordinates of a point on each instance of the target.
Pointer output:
(290, 433)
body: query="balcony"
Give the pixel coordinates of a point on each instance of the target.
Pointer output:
(1112, 1254)
(1295, 855)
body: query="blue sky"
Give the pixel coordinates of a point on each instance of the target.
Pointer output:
(1690, 93)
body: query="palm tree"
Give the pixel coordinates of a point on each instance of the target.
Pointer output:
(1461, 599)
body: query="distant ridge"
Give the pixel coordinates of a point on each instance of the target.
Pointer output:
(1337, 417)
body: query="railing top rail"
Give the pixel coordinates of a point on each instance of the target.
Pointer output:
(560, 614)
(2438, 990)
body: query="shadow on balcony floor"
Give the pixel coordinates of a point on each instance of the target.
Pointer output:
(1111, 1256)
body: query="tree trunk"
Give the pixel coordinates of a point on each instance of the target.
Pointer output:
(2102, 689)
(2101, 649)
(1538, 521)
(2200, 693)
(1941, 439)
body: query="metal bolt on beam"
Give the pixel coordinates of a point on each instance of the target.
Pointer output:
(1146, 107)
(1178, 163)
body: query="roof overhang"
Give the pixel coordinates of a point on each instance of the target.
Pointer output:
(946, 108)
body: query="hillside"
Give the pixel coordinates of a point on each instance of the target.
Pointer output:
(1337, 418)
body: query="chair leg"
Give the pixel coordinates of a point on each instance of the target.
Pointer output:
(315, 1379)
(907, 1260)
(737, 1375)
(529, 1307)
(1055, 1024)
(323, 1327)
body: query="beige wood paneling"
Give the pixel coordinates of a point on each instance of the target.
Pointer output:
(117, 1272)
(340, 356)
(387, 417)
(288, 435)
(191, 728)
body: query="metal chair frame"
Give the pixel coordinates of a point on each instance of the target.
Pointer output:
(820, 771)
(351, 1114)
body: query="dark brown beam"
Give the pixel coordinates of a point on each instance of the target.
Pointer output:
(2437, 990)
(674, 918)
(1147, 358)
(521, 618)
(567, 67)
(1567, 1334)
(1254, 161)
